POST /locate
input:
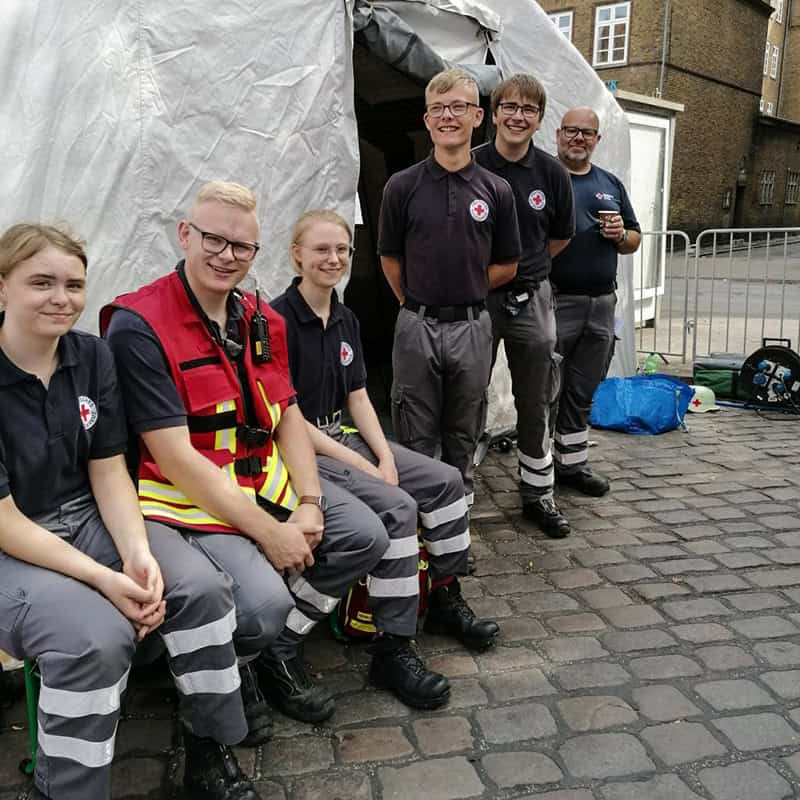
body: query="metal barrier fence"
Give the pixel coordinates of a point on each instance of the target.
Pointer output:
(725, 293)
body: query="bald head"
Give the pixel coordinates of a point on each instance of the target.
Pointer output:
(581, 117)
(576, 139)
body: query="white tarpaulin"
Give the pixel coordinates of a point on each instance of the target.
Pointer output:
(113, 114)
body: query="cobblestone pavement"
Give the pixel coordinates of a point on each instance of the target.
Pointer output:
(652, 655)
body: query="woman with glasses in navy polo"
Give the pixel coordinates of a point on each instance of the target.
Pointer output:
(79, 583)
(399, 485)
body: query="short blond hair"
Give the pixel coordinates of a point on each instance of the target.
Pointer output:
(448, 80)
(27, 239)
(309, 218)
(526, 86)
(227, 193)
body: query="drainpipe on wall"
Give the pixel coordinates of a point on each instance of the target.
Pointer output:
(664, 41)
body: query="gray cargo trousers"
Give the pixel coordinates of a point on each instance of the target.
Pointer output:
(585, 326)
(430, 492)
(441, 377)
(530, 345)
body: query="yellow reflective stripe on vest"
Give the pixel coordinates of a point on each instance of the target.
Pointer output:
(226, 438)
(166, 492)
(181, 516)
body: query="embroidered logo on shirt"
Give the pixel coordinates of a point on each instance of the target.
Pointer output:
(537, 200)
(604, 196)
(478, 210)
(346, 354)
(88, 411)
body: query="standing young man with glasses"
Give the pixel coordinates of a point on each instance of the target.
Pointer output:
(448, 234)
(224, 457)
(523, 311)
(585, 278)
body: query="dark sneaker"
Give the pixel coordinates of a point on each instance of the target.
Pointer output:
(545, 513)
(288, 688)
(397, 666)
(585, 481)
(449, 614)
(213, 773)
(256, 709)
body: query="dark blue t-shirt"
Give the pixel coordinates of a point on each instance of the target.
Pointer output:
(588, 264)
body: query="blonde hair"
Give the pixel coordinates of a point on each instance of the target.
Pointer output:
(307, 220)
(448, 80)
(27, 239)
(526, 86)
(227, 193)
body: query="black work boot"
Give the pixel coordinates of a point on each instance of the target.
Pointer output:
(256, 709)
(288, 688)
(585, 480)
(450, 614)
(212, 771)
(397, 666)
(546, 514)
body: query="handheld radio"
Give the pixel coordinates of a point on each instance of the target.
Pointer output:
(259, 335)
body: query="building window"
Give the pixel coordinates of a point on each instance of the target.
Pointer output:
(766, 187)
(563, 22)
(611, 29)
(769, 107)
(761, 105)
(773, 67)
(778, 4)
(792, 186)
(766, 58)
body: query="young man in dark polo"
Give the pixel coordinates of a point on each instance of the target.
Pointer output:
(523, 311)
(448, 234)
(585, 277)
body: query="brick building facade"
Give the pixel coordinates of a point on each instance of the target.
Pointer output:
(736, 158)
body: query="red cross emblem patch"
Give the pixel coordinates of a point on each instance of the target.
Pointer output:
(346, 354)
(478, 210)
(88, 411)
(537, 200)
(696, 402)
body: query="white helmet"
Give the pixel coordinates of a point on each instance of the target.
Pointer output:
(703, 400)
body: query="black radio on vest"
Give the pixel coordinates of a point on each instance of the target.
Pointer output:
(259, 335)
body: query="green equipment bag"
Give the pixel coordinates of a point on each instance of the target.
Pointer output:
(720, 372)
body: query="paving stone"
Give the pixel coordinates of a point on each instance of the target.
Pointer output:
(682, 566)
(694, 609)
(605, 755)
(793, 595)
(756, 601)
(705, 547)
(793, 762)
(754, 780)
(741, 560)
(633, 616)
(443, 779)
(771, 578)
(700, 632)
(587, 675)
(781, 522)
(453, 664)
(544, 602)
(731, 695)
(373, 744)
(649, 506)
(576, 623)
(766, 627)
(655, 591)
(466, 692)
(790, 539)
(719, 487)
(654, 537)
(145, 774)
(502, 659)
(747, 542)
(682, 742)
(783, 555)
(516, 723)
(440, 735)
(724, 657)
(607, 597)
(573, 648)
(574, 578)
(663, 703)
(332, 786)
(522, 628)
(626, 573)
(595, 712)
(741, 527)
(785, 684)
(679, 517)
(662, 787)
(758, 731)
(689, 532)
(293, 756)
(521, 767)
(779, 654)
(664, 667)
(713, 584)
(611, 539)
(514, 685)
(628, 642)
(561, 794)
(517, 584)
(599, 556)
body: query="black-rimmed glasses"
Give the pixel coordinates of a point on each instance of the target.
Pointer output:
(457, 108)
(571, 132)
(528, 111)
(215, 244)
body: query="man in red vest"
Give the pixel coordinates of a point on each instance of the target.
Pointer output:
(224, 457)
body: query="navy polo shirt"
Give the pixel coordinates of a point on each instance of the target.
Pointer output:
(447, 228)
(588, 264)
(48, 435)
(545, 206)
(327, 363)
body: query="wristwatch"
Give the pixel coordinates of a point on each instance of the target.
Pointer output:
(320, 501)
(624, 237)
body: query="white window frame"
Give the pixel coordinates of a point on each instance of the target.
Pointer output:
(766, 187)
(773, 65)
(792, 187)
(770, 107)
(558, 20)
(610, 26)
(761, 105)
(766, 58)
(779, 11)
